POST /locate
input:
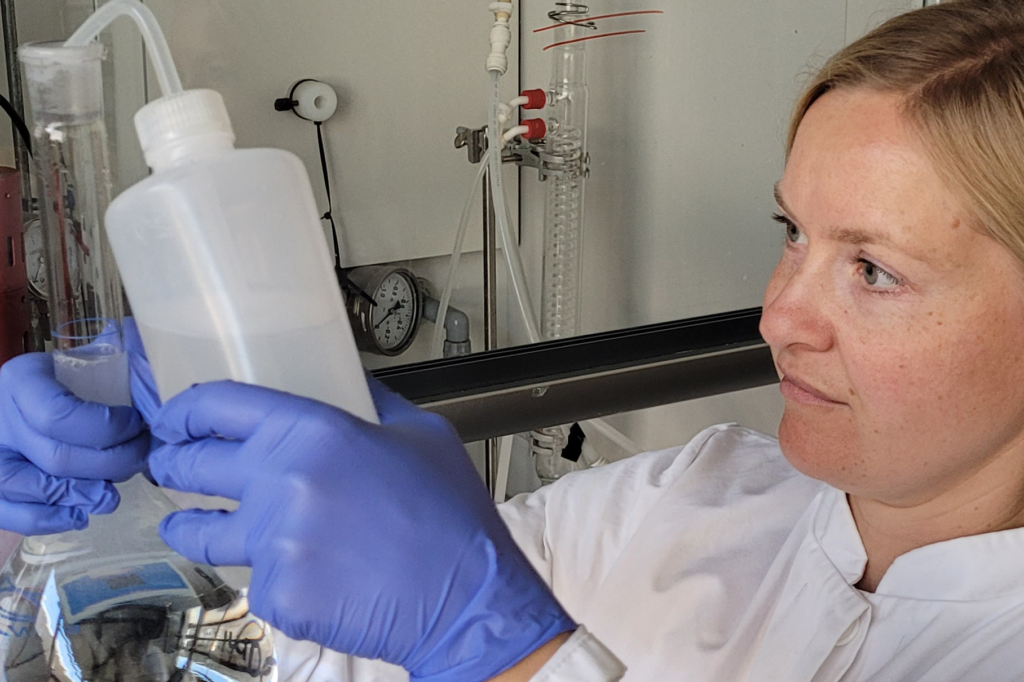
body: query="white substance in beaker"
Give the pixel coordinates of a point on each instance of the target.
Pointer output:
(96, 373)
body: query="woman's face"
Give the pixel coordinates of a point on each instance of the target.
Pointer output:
(898, 330)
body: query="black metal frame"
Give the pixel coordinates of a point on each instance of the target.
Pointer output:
(519, 389)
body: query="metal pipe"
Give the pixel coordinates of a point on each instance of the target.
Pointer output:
(490, 312)
(10, 34)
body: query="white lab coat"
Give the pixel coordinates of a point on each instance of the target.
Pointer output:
(719, 562)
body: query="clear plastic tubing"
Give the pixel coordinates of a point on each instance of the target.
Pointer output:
(568, 100)
(509, 242)
(437, 344)
(156, 43)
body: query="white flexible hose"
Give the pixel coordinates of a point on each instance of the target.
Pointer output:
(509, 242)
(437, 344)
(156, 43)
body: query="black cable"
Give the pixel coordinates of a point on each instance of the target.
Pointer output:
(343, 280)
(330, 204)
(19, 122)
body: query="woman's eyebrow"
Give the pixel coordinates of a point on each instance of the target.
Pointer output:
(844, 234)
(780, 201)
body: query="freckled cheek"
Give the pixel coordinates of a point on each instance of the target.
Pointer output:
(923, 375)
(892, 374)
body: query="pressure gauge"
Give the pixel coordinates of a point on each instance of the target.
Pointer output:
(35, 258)
(390, 326)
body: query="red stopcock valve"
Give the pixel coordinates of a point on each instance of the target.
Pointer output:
(538, 129)
(536, 99)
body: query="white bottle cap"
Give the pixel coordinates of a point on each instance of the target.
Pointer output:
(188, 125)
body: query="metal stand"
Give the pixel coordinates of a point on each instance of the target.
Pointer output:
(490, 313)
(522, 154)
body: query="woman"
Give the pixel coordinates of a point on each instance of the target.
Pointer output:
(881, 538)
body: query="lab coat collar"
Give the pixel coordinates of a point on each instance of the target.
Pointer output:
(971, 568)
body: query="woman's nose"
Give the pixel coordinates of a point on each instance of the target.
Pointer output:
(796, 306)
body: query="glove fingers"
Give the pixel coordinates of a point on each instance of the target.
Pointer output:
(65, 460)
(210, 467)
(144, 394)
(207, 537)
(222, 408)
(388, 403)
(40, 519)
(55, 412)
(21, 481)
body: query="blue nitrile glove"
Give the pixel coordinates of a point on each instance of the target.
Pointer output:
(375, 541)
(144, 394)
(57, 452)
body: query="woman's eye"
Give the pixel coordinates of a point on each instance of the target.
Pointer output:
(877, 277)
(793, 233)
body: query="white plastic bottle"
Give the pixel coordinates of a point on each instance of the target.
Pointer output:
(225, 263)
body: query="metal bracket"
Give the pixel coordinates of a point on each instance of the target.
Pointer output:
(473, 140)
(524, 154)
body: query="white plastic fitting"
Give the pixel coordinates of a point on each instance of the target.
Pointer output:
(504, 113)
(501, 37)
(315, 101)
(513, 133)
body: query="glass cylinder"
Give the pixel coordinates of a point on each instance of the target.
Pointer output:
(561, 299)
(568, 101)
(65, 92)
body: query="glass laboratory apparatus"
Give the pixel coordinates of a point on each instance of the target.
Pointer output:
(111, 602)
(568, 107)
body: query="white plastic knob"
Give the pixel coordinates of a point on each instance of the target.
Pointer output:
(315, 101)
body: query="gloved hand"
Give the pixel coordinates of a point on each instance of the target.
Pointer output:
(58, 453)
(375, 541)
(144, 394)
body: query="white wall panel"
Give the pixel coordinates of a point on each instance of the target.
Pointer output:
(864, 15)
(407, 74)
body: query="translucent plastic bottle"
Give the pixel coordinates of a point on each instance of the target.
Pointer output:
(225, 263)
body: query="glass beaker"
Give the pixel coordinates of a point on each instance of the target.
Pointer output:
(89, 358)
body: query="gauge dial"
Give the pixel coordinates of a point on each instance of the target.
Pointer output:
(35, 258)
(389, 325)
(396, 309)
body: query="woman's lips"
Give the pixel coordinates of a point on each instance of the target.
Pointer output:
(800, 392)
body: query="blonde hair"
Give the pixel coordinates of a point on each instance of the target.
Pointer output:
(960, 69)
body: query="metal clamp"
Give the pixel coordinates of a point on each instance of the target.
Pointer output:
(524, 154)
(473, 140)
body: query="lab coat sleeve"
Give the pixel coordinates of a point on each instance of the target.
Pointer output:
(581, 659)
